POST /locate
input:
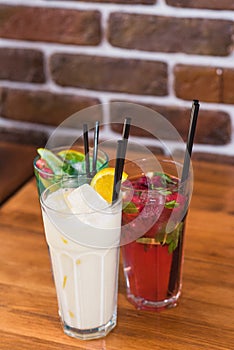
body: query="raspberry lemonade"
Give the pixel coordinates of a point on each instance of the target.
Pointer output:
(154, 209)
(83, 232)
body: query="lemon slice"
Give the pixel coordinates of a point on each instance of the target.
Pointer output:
(103, 182)
(72, 156)
(54, 162)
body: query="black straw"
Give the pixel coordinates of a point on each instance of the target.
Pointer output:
(95, 147)
(177, 255)
(86, 148)
(118, 171)
(120, 159)
(125, 135)
(191, 134)
(126, 128)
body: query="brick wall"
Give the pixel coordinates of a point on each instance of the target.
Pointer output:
(58, 57)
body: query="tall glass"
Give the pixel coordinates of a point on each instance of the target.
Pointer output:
(45, 179)
(155, 205)
(84, 248)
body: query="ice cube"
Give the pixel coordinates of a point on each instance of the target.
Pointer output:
(85, 199)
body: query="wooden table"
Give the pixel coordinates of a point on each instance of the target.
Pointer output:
(203, 319)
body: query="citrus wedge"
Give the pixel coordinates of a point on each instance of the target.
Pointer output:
(103, 182)
(54, 162)
(72, 156)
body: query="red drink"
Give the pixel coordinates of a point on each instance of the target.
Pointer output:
(152, 263)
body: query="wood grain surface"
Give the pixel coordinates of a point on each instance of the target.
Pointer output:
(204, 318)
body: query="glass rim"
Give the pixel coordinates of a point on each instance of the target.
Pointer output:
(49, 175)
(161, 159)
(109, 206)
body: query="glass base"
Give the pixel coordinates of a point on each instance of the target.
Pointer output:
(143, 304)
(93, 333)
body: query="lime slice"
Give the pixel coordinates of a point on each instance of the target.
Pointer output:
(72, 156)
(54, 162)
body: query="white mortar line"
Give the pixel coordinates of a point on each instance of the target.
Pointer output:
(106, 96)
(171, 78)
(107, 133)
(22, 125)
(48, 76)
(106, 50)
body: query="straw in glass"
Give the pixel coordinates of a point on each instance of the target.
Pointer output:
(176, 259)
(190, 140)
(86, 148)
(120, 159)
(125, 135)
(126, 128)
(95, 147)
(118, 171)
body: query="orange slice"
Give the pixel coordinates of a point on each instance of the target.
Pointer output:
(103, 182)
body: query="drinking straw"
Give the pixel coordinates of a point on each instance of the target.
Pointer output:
(191, 134)
(176, 259)
(86, 148)
(95, 147)
(118, 171)
(120, 159)
(125, 135)
(126, 128)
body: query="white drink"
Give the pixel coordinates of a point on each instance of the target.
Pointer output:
(83, 233)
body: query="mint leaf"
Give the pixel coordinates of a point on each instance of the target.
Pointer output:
(171, 204)
(68, 169)
(163, 191)
(172, 246)
(130, 208)
(160, 237)
(147, 240)
(166, 179)
(173, 237)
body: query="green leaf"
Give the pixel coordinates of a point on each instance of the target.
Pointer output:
(171, 204)
(171, 238)
(160, 237)
(130, 208)
(147, 240)
(163, 191)
(68, 169)
(172, 246)
(168, 179)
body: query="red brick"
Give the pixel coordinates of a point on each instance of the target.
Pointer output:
(110, 74)
(213, 127)
(50, 25)
(228, 86)
(213, 5)
(171, 34)
(23, 136)
(21, 65)
(194, 82)
(210, 84)
(41, 107)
